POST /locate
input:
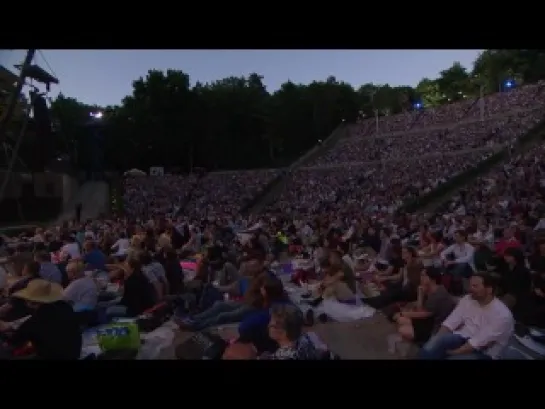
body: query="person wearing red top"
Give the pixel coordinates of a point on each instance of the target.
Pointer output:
(508, 241)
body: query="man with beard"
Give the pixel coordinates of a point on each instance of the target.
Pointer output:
(479, 327)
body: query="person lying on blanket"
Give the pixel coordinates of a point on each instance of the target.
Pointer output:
(247, 289)
(286, 328)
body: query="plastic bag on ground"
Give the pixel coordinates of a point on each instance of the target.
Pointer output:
(156, 342)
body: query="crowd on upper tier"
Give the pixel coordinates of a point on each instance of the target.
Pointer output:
(492, 132)
(528, 96)
(365, 169)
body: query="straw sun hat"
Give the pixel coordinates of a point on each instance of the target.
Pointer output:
(40, 291)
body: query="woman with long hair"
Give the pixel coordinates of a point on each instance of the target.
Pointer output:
(253, 330)
(429, 254)
(390, 280)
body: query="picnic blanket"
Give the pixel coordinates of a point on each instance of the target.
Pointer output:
(335, 310)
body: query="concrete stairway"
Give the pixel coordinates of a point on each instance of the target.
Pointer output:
(93, 197)
(317, 150)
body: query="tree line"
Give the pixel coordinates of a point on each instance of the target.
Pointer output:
(236, 123)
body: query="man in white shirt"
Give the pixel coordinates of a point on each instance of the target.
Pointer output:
(479, 327)
(70, 249)
(461, 253)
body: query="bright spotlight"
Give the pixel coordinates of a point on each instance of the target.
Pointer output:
(508, 84)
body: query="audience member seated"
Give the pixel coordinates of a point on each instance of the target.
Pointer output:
(333, 286)
(48, 270)
(507, 241)
(82, 291)
(286, 329)
(93, 258)
(122, 244)
(155, 273)
(457, 258)
(70, 248)
(419, 321)
(173, 272)
(407, 289)
(515, 278)
(431, 249)
(388, 277)
(479, 327)
(253, 328)
(248, 288)
(530, 310)
(138, 293)
(53, 329)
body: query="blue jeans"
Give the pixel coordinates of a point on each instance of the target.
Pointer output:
(461, 270)
(116, 311)
(222, 312)
(438, 345)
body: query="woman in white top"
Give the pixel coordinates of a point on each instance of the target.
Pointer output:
(121, 246)
(70, 250)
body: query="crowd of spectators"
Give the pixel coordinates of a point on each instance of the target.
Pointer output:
(227, 192)
(494, 131)
(148, 196)
(527, 96)
(371, 188)
(338, 223)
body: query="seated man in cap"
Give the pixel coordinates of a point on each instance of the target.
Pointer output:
(52, 329)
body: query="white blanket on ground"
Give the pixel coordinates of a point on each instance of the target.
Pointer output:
(157, 341)
(333, 309)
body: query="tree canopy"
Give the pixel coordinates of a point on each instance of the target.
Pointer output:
(236, 123)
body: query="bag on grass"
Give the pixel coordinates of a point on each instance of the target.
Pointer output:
(119, 336)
